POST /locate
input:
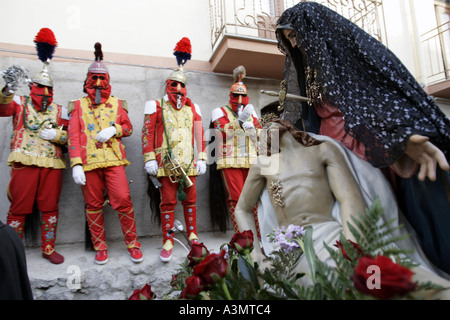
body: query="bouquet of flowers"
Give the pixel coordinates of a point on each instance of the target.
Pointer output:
(373, 267)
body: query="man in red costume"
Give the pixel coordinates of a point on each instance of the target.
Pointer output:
(237, 127)
(36, 159)
(98, 121)
(171, 128)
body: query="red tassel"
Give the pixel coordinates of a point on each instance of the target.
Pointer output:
(46, 35)
(184, 45)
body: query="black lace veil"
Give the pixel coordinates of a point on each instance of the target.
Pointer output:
(382, 103)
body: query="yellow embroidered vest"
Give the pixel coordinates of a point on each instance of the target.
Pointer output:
(238, 150)
(101, 155)
(179, 128)
(27, 147)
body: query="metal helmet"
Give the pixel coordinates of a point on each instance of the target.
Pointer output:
(43, 77)
(238, 86)
(178, 75)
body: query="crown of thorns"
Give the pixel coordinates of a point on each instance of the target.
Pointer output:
(268, 117)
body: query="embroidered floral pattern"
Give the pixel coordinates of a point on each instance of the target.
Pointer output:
(91, 126)
(17, 225)
(217, 126)
(26, 142)
(49, 228)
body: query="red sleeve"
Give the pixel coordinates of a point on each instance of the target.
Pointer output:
(256, 123)
(221, 125)
(148, 135)
(199, 132)
(123, 124)
(8, 109)
(75, 135)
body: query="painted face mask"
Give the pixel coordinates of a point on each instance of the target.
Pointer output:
(97, 87)
(238, 101)
(42, 96)
(177, 93)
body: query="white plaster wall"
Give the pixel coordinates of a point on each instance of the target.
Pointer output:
(132, 27)
(406, 21)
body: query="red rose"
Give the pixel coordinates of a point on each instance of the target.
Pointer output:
(194, 285)
(197, 254)
(212, 268)
(393, 279)
(242, 241)
(145, 293)
(355, 245)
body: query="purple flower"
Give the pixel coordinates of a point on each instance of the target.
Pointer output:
(287, 237)
(293, 231)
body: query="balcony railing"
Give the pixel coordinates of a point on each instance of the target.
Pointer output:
(257, 18)
(436, 43)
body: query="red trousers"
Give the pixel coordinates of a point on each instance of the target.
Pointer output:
(169, 201)
(234, 179)
(115, 181)
(32, 185)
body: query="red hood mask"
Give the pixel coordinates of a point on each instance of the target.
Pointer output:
(41, 96)
(238, 101)
(97, 87)
(177, 93)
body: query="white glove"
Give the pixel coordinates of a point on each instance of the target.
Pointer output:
(201, 167)
(78, 175)
(240, 109)
(247, 125)
(106, 134)
(246, 113)
(48, 134)
(151, 167)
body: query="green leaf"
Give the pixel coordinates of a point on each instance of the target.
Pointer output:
(310, 254)
(248, 272)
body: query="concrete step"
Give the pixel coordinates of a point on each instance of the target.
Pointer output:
(79, 278)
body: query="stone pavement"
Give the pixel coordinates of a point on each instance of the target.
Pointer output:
(79, 278)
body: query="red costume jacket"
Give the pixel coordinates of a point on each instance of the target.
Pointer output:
(184, 130)
(86, 120)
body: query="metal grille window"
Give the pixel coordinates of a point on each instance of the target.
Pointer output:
(257, 18)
